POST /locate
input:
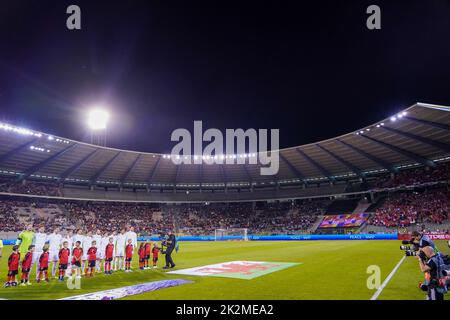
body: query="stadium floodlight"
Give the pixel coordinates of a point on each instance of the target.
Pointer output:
(98, 119)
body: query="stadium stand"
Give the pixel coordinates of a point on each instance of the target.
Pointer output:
(384, 169)
(342, 206)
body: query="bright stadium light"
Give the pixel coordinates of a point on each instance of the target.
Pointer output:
(98, 119)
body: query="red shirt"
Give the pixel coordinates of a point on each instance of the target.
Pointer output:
(109, 251)
(26, 262)
(77, 253)
(92, 253)
(64, 256)
(13, 261)
(155, 252)
(148, 249)
(141, 252)
(43, 260)
(129, 251)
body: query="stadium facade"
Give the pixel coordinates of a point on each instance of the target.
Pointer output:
(416, 136)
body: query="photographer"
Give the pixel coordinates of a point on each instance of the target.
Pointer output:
(170, 243)
(431, 263)
(422, 240)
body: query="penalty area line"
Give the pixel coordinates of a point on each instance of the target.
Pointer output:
(386, 281)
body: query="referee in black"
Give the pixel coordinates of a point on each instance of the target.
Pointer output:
(171, 243)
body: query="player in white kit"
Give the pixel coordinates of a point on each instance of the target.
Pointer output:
(120, 251)
(113, 262)
(54, 242)
(98, 239)
(40, 239)
(86, 244)
(131, 235)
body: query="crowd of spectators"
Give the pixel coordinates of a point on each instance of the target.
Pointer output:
(9, 220)
(112, 216)
(259, 218)
(416, 176)
(151, 219)
(14, 215)
(400, 209)
(31, 188)
(410, 208)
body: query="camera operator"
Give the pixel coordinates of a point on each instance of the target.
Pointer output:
(431, 263)
(170, 243)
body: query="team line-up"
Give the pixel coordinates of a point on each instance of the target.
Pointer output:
(76, 254)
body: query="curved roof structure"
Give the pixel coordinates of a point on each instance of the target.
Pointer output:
(419, 135)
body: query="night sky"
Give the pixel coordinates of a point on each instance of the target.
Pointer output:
(313, 71)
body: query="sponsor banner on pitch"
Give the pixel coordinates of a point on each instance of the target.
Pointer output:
(129, 291)
(236, 269)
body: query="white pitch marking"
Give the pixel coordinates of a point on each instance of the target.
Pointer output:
(380, 289)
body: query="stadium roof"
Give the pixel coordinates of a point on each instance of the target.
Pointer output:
(418, 135)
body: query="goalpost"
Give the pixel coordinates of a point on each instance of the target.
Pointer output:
(233, 233)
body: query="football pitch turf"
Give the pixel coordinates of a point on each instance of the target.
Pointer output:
(325, 270)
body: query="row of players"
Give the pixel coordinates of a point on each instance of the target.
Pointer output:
(78, 253)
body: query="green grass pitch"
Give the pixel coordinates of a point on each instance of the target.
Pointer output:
(328, 270)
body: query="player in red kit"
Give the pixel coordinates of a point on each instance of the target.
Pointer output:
(77, 254)
(129, 249)
(26, 266)
(141, 253)
(92, 259)
(63, 255)
(109, 255)
(155, 252)
(13, 267)
(43, 264)
(148, 250)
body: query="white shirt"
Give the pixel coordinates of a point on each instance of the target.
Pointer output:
(98, 239)
(133, 236)
(104, 243)
(54, 240)
(39, 241)
(121, 241)
(78, 237)
(87, 243)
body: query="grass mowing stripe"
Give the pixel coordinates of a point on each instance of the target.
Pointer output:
(386, 281)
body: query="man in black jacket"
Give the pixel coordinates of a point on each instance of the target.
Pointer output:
(171, 243)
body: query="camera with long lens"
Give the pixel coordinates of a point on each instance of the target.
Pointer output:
(411, 248)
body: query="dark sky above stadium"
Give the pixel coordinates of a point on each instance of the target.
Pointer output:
(312, 70)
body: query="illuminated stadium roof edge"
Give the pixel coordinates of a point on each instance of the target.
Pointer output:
(416, 136)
